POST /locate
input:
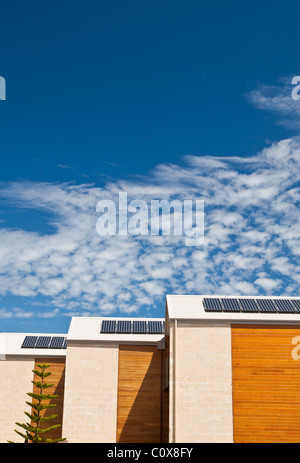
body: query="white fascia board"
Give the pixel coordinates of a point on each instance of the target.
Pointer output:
(88, 329)
(182, 307)
(10, 345)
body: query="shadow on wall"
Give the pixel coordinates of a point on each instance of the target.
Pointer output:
(57, 368)
(139, 395)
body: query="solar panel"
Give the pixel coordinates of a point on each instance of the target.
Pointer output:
(284, 305)
(266, 305)
(212, 305)
(124, 326)
(296, 304)
(231, 305)
(132, 326)
(248, 305)
(57, 342)
(155, 327)
(29, 342)
(139, 327)
(43, 342)
(108, 326)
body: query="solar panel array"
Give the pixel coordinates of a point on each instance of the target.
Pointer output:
(44, 342)
(132, 327)
(255, 305)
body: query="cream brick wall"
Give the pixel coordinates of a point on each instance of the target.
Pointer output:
(91, 393)
(203, 388)
(15, 381)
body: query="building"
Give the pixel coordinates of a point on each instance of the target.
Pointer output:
(216, 369)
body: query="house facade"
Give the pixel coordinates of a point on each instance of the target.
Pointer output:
(215, 369)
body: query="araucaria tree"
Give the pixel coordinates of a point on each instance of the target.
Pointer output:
(34, 432)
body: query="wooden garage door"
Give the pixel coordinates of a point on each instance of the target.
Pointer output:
(266, 383)
(139, 394)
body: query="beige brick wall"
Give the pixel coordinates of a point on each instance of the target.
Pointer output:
(203, 388)
(91, 393)
(15, 381)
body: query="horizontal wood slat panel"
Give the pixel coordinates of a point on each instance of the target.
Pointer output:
(266, 384)
(139, 395)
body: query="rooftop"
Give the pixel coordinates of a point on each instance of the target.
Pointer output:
(11, 344)
(89, 329)
(181, 307)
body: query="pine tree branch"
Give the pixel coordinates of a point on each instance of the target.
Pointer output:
(34, 434)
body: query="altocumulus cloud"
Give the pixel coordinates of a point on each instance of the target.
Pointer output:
(251, 243)
(278, 100)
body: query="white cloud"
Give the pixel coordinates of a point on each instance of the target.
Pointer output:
(267, 284)
(278, 100)
(251, 241)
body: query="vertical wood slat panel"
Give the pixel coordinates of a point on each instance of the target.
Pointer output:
(139, 395)
(266, 384)
(165, 391)
(57, 378)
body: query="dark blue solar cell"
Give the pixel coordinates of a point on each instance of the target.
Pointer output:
(29, 342)
(296, 304)
(155, 327)
(231, 305)
(212, 305)
(124, 326)
(284, 306)
(57, 342)
(248, 305)
(43, 342)
(139, 327)
(108, 326)
(266, 305)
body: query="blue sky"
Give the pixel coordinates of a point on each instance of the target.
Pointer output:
(158, 99)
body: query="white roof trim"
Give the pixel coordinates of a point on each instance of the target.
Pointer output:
(180, 307)
(88, 329)
(10, 344)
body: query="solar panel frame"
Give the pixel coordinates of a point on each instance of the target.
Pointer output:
(29, 342)
(212, 305)
(124, 327)
(155, 327)
(231, 305)
(43, 342)
(284, 306)
(108, 326)
(139, 327)
(296, 304)
(248, 305)
(57, 342)
(266, 305)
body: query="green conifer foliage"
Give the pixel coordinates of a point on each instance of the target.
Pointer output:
(34, 432)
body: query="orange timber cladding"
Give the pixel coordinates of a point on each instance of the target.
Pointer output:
(266, 384)
(265, 388)
(139, 417)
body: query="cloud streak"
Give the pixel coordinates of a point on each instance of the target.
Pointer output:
(251, 243)
(278, 100)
